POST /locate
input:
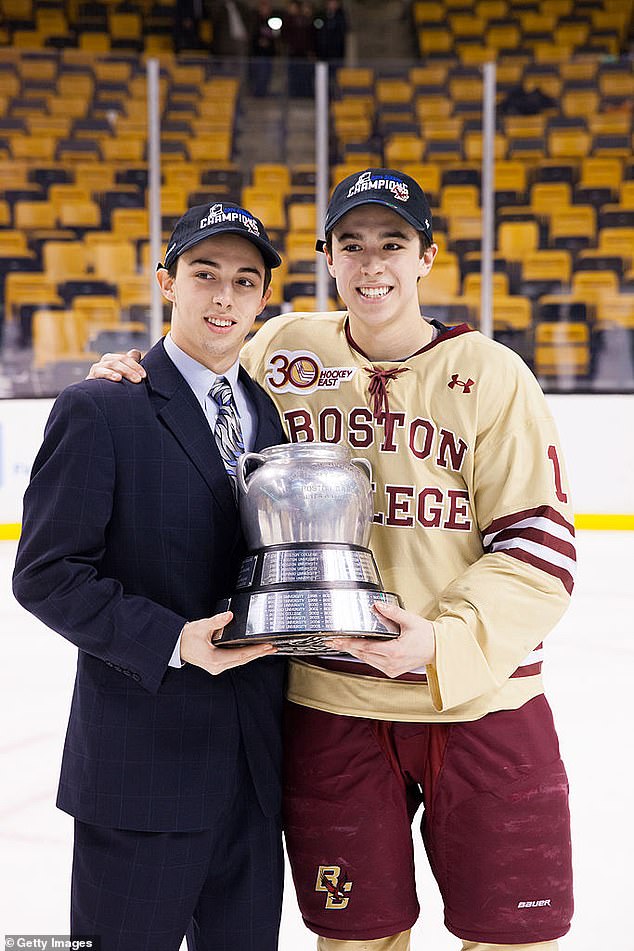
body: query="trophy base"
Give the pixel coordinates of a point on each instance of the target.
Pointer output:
(301, 621)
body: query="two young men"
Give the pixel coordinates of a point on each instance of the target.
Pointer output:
(473, 528)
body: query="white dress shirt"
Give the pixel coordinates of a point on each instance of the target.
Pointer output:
(200, 380)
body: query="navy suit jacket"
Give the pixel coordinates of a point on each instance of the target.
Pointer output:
(131, 529)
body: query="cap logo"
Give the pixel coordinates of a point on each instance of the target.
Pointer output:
(217, 215)
(366, 182)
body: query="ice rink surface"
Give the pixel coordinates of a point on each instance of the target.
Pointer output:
(589, 675)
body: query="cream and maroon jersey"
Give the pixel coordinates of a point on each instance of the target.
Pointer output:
(473, 525)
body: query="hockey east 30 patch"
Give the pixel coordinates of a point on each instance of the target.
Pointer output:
(301, 371)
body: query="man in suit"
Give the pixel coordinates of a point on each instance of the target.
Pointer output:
(130, 538)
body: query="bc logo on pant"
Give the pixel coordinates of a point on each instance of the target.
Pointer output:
(334, 882)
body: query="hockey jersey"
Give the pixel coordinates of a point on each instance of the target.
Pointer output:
(473, 525)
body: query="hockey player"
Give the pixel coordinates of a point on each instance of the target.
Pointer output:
(473, 527)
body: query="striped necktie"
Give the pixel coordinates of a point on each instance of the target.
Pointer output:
(227, 430)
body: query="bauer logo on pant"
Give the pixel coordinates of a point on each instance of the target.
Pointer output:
(334, 882)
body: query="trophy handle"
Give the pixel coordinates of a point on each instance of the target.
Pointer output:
(240, 471)
(365, 464)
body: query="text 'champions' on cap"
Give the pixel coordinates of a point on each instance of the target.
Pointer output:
(208, 221)
(381, 186)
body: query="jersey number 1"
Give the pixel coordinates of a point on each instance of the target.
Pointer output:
(554, 458)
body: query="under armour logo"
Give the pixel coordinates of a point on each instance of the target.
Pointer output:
(466, 386)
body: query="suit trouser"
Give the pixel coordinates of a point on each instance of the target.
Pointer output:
(142, 891)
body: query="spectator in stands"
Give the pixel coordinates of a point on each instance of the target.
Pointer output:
(229, 20)
(262, 49)
(187, 16)
(522, 101)
(298, 36)
(331, 33)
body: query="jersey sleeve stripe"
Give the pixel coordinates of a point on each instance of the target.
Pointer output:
(529, 515)
(531, 558)
(544, 539)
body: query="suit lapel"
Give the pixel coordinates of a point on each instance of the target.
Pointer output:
(268, 428)
(181, 412)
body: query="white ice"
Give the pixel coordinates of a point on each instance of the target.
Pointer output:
(589, 673)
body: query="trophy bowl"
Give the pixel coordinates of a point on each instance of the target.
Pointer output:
(306, 512)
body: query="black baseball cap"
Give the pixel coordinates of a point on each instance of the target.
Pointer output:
(219, 217)
(380, 186)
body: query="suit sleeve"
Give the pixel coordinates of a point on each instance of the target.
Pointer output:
(491, 620)
(67, 509)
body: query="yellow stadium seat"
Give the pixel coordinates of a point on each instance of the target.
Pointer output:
(442, 284)
(517, 238)
(64, 260)
(510, 176)
(302, 305)
(580, 102)
(113, 259)
(128, 149)
(39, 148)
(28, 289)
(13, 243)
(266, 205)
(610, 123)
(130, 223)
(124, 26)
(626, 195)
(426, 12)
(617, 83)
(459, 200)
(472, 286)
(302, 216)
(547, 52)
(355, 78)
(507, 36)
(473, 146)
(466, 226)
(401, 149)
(430, 74)
(578, 221)
(134, 290)
(357, 129)
(433, 107)
(435, 41)
(569, 143)
(210, 148)
(590, 286)
(511, 312)
(618, 241)
(548, 197)
(79, 214)
(466, 25)
(548, 265)
(56, 336)
(562, 349)
(393, 91)
(428, 176)
(34, 214)
(615, 310)
(601, 172)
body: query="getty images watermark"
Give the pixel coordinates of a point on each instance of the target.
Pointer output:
(52, 942)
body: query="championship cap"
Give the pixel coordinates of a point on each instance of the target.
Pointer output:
(222, 217)
(381, 186)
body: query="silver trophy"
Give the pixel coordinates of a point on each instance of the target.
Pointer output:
(306, 512)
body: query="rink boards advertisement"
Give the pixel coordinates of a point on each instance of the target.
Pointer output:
(597, 435)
